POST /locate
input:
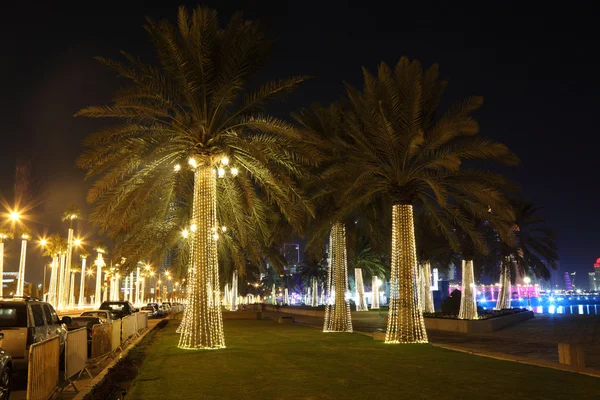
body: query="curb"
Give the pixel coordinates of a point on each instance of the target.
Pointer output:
(521, 360)
(98, 379)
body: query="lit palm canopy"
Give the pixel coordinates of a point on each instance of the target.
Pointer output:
(195, 103)
(5, 233)
(71, 213)
(55, 245)
(403, 150)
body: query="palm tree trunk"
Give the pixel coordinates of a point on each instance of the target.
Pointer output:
(375, 292)
(405, 319)
(21, 278)
(361, 304)
(426, 295)
(2, 266)
(286, 297)
(202, 324)
(315, 293)
(72, 291)
(53, 281)
(468, 301)
(81, 301)
(98, 294)
(337, 309)
(60, 283)
(68, 256)
(505, 289)
(234, 300)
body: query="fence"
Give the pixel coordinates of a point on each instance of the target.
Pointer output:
(142, 321)
(116, 335)
(101, 340)
(128, 327)
(76, 352)
(42, 366)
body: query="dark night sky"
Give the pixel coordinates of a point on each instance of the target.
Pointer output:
(535, 66)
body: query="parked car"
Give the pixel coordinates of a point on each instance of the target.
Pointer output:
(156, 306)
(166, 308)
(119, 308)
(87, 322)
(151, 311)
(105, 316)
(24, 321)
(6, 367)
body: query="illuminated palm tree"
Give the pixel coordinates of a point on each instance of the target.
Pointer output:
(406, 153)
(4, 235)
(84, 255)
(194, 110)
(55, 246)
(534, 251)
(71, 213)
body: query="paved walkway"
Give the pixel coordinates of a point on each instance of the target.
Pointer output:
(536, 338)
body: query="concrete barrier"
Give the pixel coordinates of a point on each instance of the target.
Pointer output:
(42, 366)
(476, 326)
(241, 315)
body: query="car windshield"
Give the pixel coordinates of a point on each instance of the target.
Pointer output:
(13, 315)
(114, 306)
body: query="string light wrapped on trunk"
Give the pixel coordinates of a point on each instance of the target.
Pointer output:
(337, 309)
(468, 301)
(405, 319)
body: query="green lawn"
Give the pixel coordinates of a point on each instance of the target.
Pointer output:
(267, 360)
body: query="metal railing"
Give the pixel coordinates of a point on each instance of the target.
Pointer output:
(116, 335)
(76, 356)
(101, 340)
(42, 366)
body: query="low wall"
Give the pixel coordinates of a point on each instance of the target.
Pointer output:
(242, 315)
(476, 326)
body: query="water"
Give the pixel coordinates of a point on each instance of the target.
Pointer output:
(544, 306)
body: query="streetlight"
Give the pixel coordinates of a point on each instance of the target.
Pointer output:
(527, 280)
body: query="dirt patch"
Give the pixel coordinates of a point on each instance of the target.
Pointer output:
(119, 378)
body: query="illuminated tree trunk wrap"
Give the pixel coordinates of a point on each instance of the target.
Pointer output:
(67, 282)
(425, 285)
(315, 293)
(81, 301)
(72, 291)
(60, 283)
(375, 291)
(337, 309)
(504, 295)
(361, 303)
(405, 319)
(98, 294)
(21, 277)
(234, 292)
(2, 266)
(202, 324)
(53, 282)
(468, 302)
(286, 298)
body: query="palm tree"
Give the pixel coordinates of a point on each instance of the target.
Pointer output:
(433, 250)
(4, 234)
(71, 213)
(326, 128)
(406, 154)
(195, 109)
(55, 246)
(534, 252)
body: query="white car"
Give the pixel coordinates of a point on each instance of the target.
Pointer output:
(105, 316)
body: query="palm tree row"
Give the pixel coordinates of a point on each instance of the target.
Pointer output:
(197, 168)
